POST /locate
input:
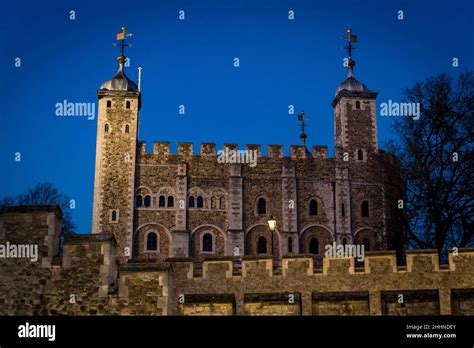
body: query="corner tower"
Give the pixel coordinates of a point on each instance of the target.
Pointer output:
(114, 182)
(356, 150)
(355, 126)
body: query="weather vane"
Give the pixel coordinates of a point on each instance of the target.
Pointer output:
(303, 135)
(122, 36)
(350, 38)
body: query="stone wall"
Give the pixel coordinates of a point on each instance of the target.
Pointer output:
(85, 280)
(379, 287)
(88, 279)
(230, 194)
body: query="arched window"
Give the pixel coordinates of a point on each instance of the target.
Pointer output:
(161, 202)
(366, 244)
(344, 241)
(262, 245)
(365, 209)
(139, 201)
(152, 241)
(114, 215)
(313, 207)
(191, 202)
(109, 104)
(207, 242)
(170, 201)
(222, 202)
(261, 206)
(127, 104)
(147, 201)
(343, 210)
(360, 155)
(106, 128)
(127, 128)
(290, 244)
(314, 246)
(357, 104)
(200, 202)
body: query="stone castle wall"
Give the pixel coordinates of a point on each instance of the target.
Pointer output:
(88, 280)
(231, 191)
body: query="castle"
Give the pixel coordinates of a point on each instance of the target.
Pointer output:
(185, 234)
(160, 205)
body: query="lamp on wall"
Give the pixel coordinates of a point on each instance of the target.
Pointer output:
(272, 225)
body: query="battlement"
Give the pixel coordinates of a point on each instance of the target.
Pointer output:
(375, 263)
(297, 284)
(13, 221)
(209, 150)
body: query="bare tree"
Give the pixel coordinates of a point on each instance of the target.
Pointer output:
(437, 163)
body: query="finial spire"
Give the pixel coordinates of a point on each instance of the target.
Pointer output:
(350, 39)
(303, 135)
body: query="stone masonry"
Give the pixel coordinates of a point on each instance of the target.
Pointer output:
(189, 204)
(186, 234)
(88, 279)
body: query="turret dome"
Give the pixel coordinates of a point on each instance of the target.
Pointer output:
(120, 81)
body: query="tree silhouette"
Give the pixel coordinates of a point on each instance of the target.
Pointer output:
(437, 163)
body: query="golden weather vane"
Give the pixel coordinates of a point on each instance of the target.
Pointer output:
(122, 36)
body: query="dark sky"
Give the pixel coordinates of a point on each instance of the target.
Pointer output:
(190, 62)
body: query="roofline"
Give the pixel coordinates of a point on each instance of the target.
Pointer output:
(354, 94)
(49, 208)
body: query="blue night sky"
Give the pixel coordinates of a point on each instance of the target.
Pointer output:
(190, 62)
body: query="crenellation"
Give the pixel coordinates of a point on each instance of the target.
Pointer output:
(298, 152)
(254, 147)
(185, 150)
(275, 151)
(375, 263)
(208, 149)
(257, 268)
(161, 148)
(292, 266)
(338, 265)
(230, 147)
(425, 261)
(380, 262)
(460, 260)
(320, 151)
